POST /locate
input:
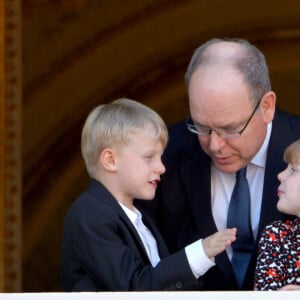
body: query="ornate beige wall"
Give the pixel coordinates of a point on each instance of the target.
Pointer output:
(77, 54)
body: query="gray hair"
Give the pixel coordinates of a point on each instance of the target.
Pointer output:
(246, 58)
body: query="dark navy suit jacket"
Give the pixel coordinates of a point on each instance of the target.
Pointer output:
(182, 207)
(102, 251)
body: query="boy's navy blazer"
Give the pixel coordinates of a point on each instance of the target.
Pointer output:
(103, 252)
(182, 208)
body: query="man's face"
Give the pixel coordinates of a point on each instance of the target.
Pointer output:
(219, 99)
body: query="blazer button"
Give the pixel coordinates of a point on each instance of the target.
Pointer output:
(178, 285)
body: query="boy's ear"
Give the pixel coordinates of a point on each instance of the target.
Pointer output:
(107, 160)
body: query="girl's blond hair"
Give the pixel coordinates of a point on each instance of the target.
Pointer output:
(292, 153)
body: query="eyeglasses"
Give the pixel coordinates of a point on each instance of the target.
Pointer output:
(223, 133)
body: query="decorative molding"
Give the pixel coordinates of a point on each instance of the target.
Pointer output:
(10, 140)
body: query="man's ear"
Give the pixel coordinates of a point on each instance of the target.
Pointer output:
(268, 105)
(107, 160)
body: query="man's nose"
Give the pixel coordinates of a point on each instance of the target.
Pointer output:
(216, 142)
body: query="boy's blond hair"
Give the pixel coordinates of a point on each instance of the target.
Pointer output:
(292, 153)
(113, 125)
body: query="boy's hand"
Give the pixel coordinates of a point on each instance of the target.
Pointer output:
(217, 242)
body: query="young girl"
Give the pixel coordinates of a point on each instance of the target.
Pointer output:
(278, 262)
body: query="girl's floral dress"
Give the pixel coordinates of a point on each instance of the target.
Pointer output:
(278, 262)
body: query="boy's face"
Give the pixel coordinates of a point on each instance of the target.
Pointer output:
(289, 190)
(139, 167)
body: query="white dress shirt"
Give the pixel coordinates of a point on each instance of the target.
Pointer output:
(196, 256)
(145, 234)
(222, 186)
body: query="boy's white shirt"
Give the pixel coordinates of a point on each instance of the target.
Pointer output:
(197, 259)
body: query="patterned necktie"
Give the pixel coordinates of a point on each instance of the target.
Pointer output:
(239, 217)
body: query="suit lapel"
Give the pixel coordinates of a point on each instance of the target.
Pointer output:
(196, 177)
(99, 191)
(161, 245)
(274, 165)
(134, 232)
(195, 173)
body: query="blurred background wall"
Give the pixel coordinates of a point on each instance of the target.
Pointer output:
(79, 53)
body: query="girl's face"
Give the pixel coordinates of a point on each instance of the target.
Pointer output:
(289, 190)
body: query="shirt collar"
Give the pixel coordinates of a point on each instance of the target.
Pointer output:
(133, 215)
(261, 156)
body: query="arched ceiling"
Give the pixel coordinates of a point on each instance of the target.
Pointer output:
(80, 53)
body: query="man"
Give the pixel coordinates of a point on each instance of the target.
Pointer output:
(233, 124)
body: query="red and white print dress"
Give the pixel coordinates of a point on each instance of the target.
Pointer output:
(278, 262)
